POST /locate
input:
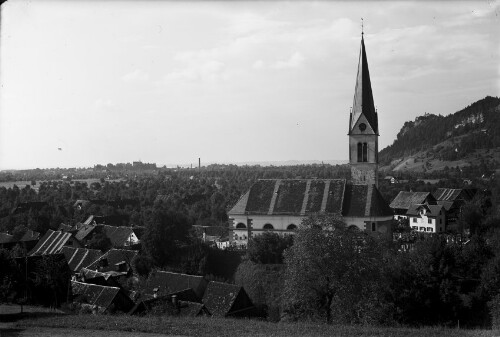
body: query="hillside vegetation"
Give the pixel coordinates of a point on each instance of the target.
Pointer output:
(469, 137)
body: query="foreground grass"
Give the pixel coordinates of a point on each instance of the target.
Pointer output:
(232, 327)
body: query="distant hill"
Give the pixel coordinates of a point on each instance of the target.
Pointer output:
(431, 143)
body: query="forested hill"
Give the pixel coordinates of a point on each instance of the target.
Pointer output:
(432, 142)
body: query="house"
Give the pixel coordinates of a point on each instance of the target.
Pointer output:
(79, 258)
(120, 237)
(114, 261)
(101, 298)
(453, 200)
(227, 300)
(53, 242)
(404, 201)
(427, 218)
(280, 205)
(163, 282)
(27, 241)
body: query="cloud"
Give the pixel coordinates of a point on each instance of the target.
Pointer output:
(104, 104)
(136, 76)
(294, 61)
(210, 70)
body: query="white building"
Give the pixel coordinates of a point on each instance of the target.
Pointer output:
(427, 218)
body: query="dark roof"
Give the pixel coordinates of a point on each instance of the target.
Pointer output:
(364, 201)
(292, 196)
(451, 194)
(363, 96)
(405, 199)
(51, 243)
(101, 296)
(6, 238)
(432, 210)
(307, 196)
(192, 309)
(221, 299)
(112, 258)
(169, 283)
(28, 236)
(446, 204)
(79, 258)
(117, 235)
(184, 308)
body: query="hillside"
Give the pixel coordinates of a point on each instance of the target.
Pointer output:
(433, 142)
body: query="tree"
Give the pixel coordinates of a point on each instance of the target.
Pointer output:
(268, 248)
(164, 234)
(332, 273)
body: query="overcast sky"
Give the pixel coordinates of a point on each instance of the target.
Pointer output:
(169, 82)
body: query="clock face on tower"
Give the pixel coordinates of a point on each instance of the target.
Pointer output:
(362, 127)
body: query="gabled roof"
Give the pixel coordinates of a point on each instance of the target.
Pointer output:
(110, 260)
(405, 199)
(292, 197)
(168, 283)
(51, 243)
(363, 96)
(432, 210)
(224, 299)
(117, 235)
(100, 296)
(364, 201)
(301, 197)
(90, 274)
(28, 236)
(79, 258)
(451, 194)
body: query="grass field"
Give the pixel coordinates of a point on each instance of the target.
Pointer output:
(230, 327)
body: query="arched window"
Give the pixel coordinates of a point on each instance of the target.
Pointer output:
(360, 152)
(241, 225)
(291, 227)
(365, 152)
(268, 226)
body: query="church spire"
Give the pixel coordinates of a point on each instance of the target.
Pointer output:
(363, 96)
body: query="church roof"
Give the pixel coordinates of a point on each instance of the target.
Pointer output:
(301, 197)
(363, 96)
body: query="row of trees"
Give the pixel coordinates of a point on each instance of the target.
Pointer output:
(337, 275)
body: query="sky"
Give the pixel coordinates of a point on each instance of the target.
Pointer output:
(97, 82)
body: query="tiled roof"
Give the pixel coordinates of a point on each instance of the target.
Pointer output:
(112, 258)
(451, 194)
(405, 199)
(28, 236)
(6, 238)
(364, 201)
(291, 196)
(117, 235)
(168, 283)
(79, 258)
(51, 243)
(221, 299)
(432, 210)
(446, 204)
(101, 296)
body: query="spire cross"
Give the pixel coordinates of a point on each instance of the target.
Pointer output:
(362, 30)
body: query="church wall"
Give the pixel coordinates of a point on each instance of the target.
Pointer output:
(383, 225)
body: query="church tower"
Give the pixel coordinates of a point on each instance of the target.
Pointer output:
(363, 128)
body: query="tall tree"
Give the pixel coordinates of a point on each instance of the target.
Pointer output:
(332, 273)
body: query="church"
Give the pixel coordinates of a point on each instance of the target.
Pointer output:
(279, 205)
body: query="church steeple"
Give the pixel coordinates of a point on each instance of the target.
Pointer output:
(363, 127)
(363, 96)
